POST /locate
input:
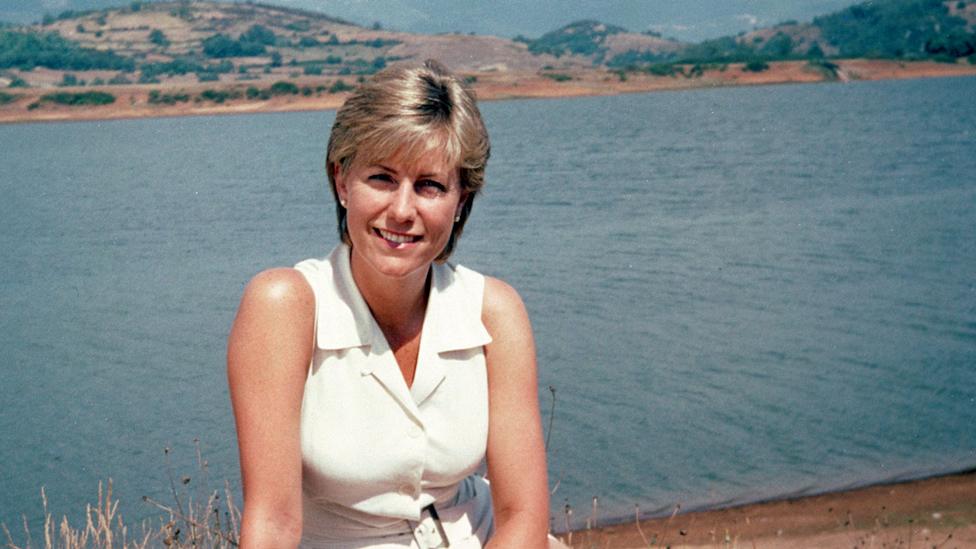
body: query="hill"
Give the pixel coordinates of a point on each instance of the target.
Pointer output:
(184, 57)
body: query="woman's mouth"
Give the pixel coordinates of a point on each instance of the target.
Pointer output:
(396, 238)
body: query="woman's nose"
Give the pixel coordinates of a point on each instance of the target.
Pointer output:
(403, 207)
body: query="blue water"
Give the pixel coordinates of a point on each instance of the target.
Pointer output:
(737, 293)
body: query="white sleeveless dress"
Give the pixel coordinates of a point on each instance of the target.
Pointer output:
(376, 453)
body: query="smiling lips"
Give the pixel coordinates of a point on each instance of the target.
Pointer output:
(396, 238)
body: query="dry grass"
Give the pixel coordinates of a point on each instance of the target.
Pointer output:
(199, 520)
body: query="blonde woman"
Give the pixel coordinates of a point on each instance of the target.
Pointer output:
(371, 385)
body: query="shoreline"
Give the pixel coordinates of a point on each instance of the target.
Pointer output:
(937, 511)
(132, 101)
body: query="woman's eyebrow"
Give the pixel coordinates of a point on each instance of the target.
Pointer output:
(425, 175)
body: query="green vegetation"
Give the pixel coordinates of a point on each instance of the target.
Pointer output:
(157, 37)
(283, 88)
(251, 42)
(908, 29)
(825, 68)
(755, 65)
(7, 97)
(662, 69)
(68, 79)
(314, 70)
(79, 99)
(579, 38)
(339, 87)
(27, 50)
(18, 82)
(184, 65)
(557, 76)
(632, 59)
(118, 79)
(158, 98)
(218, 96)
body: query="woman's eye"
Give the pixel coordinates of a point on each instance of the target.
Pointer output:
(431, 186)
(384, 177)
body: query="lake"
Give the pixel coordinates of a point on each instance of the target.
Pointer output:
(737, 293)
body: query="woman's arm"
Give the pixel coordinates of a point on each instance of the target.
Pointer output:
(516, 454)
(268, 353)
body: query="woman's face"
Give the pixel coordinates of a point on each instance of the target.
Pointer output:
(399, 212)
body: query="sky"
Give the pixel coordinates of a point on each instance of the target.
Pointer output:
(688, 20)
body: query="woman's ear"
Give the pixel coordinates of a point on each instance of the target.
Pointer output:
(460, 206)
(340, 182)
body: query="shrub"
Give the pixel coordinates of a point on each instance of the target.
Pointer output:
(339, 86)
(283, 88)
(157, 37)
(219, 96)
(68, 79)
(755, 65)
(79, 99)
(662, 69)
(313, 69)
(7, 97)
(158, 98)
(207, 77)
(118, 79)
(18, 82)
(259, 34)
(557, 76)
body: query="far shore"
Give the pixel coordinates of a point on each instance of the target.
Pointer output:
(132, 101)
(936, 512)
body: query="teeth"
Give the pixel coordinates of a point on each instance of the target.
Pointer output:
(398, 238)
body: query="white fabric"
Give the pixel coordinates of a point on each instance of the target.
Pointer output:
(375, 452)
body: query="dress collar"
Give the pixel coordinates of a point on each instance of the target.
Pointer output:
(452, 321)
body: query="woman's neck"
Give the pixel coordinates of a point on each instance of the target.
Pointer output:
(397, 304)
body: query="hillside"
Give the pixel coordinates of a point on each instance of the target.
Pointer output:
(185, 57)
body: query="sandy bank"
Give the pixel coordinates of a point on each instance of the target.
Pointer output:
(938, 512)
(133, 101)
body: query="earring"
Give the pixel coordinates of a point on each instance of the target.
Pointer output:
(457, 218)
(343, 202)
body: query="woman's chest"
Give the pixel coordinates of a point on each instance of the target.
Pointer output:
(364, 431)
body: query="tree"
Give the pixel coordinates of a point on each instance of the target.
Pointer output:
(157, 37)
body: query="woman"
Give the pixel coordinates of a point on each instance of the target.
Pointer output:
(369, 386)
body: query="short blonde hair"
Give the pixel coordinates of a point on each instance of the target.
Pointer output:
(410, 111)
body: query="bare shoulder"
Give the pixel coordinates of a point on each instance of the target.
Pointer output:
(280, 286)
(276, 314)
(502, 303)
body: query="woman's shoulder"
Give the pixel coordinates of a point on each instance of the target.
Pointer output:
(502, 303)
(279, 291)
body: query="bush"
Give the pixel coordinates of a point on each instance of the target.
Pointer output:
(69, 79)
(18, 82)
(79, 99)
(157, 37)
(259, 34)
(313, 69)
(7, 97)
(219, 96)
(662, 69)
(256, 93)
(339, 86)
(158, 98)
(284, 88)
(557, 76)
(207, 77)
(119, 79)
(756, 65)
